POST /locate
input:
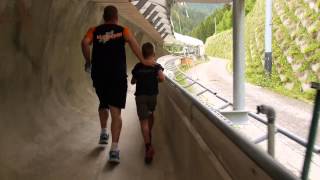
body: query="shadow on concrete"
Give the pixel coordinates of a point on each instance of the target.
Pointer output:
(96, 151)
(110, 166)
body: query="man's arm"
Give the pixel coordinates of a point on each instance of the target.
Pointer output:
(134, 74)
(135, 47)
(85, 46)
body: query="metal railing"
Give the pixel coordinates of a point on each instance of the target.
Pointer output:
(266, 162)
(170, 65)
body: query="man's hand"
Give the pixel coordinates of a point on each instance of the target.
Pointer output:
(148, 62)
(87, 67)
(85, 46)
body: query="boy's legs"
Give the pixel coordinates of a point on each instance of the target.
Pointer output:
(151, 106)
(143, 108)
(145, 129)
(150, 123)
(146, 132)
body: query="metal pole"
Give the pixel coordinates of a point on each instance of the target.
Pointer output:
(268, 38)
(238, 55)
(215, 25)
(271, 134)
(312, 133)
(271, 116)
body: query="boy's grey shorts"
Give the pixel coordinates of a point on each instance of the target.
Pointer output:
(145, 105)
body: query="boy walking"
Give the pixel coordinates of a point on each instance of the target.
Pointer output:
(146, 78)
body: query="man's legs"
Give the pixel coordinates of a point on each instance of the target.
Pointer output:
(103, 114)
(116, 126)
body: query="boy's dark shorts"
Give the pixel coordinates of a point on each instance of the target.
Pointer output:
(145, 105)
(112, 94)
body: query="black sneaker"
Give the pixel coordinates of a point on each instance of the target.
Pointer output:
(104, 137)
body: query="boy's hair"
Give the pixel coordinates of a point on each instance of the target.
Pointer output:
(110, 13)
(147, 50)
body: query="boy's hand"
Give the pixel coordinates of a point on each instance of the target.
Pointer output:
(133, 81)
(161, 76)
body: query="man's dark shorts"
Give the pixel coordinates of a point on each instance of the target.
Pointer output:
(145, 105)
(112, 94)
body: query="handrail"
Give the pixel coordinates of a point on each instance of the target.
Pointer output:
(279, 129)
(273, 168)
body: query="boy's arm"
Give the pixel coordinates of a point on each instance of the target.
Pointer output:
(161, 76)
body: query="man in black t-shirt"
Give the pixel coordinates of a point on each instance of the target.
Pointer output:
(109, 72)
(146, 78)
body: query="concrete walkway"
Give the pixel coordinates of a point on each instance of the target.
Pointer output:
(72, 152)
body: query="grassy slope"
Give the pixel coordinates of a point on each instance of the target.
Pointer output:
(296, 47)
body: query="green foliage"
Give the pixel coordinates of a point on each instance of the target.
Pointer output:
(293, 42)
(226, 21)
(222, 18)
(222, 40)
(173, 48)
(185, 18)
(206, 28)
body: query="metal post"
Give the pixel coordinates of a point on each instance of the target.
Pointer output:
(271, 116)
(312, 133)
(215, 25)
(271, 134)
(238, 55)
(268, 38)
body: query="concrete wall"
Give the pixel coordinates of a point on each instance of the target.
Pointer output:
(44, 91)
(201, 150)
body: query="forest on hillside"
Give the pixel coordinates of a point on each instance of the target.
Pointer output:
(186, 16)
(296, 46)
(218, 21)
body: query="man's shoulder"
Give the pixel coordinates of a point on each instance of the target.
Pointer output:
(109, 26)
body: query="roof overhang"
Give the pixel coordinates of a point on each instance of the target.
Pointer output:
(151, 16)
(204, 1)
(130, 13)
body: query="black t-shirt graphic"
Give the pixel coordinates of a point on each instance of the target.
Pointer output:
(146, 79)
